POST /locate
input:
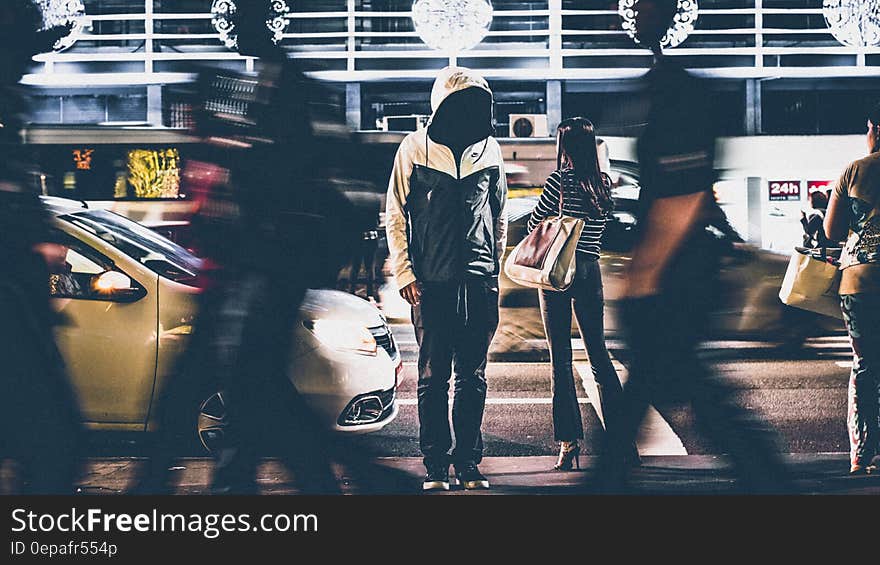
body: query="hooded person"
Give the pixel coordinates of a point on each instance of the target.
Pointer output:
(447, 233)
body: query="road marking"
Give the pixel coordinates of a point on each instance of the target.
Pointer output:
(830, 342)
(500, 401)
(405, 337)
(495, 364)
(656, 436)
(845, 364)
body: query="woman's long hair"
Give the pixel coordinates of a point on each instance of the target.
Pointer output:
(576, 150)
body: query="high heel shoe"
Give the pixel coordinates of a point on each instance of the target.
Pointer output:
(862, 469)
(567, 458)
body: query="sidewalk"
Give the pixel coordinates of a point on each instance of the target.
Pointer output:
(691, 474)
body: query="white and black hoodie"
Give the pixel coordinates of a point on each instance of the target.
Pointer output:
(445, 209)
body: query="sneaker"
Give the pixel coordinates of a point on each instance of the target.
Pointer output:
(470, 477)
(437, 478)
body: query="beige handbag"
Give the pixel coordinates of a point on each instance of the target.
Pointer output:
(545, 258)
(811, 283)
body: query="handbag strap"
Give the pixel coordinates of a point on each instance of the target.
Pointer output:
(561, 190)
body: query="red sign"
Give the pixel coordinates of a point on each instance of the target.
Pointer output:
(785, 190)
(814, 185)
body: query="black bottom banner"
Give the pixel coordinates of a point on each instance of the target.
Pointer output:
(129, 529)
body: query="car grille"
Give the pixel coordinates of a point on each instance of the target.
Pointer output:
(384, 339)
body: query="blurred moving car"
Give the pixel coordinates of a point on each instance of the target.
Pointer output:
(752, 276)
(127, 298)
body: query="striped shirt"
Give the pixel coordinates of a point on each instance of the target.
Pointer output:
(575, 205)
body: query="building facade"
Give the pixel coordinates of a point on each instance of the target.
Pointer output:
(775, 64)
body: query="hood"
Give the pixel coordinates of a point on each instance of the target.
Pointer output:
(452, 80)
(461, 101)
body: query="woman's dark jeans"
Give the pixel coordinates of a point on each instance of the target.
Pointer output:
(585, 297)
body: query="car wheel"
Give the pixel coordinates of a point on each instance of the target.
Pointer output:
(212, 423)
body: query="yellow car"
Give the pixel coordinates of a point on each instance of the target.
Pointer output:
(127, 299)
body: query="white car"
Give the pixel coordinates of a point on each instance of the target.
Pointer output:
(127, 301)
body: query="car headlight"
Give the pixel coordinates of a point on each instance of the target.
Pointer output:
(343, 336)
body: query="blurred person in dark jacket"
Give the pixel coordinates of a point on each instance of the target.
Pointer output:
(39, 417)
(269, 225)
(294, 231)
(672, 283)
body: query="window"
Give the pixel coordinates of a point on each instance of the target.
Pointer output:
(827, 108)
(73, 267)
(141, 244)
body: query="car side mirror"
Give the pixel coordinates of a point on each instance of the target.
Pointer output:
(117, 287)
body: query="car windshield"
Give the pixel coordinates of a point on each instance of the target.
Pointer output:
(138, 242)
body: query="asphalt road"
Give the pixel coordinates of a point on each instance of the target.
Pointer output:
(802, 394)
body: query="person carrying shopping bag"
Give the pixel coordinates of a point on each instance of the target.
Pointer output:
(579, 189)
(855, 209)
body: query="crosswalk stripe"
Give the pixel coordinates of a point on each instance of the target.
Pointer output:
(500, 401)
(656, 436)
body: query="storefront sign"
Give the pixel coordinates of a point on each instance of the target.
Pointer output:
(823, 185)
(785, 190)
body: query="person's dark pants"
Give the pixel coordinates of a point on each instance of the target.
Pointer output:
(454, 328)
(267, 416)
(662, 334)
(585, 298)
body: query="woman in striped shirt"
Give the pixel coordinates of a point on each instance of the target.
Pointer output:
(586, 193)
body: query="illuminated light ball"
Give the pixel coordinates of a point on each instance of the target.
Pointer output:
(223, 12)
(855, 23)
(452, 25)
(60, 13)
(685, 20)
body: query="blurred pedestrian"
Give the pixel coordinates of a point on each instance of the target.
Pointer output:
(812, 220)
(446, 229)
(363, 253)
(270, 225)
(40, 420)
(855, 210)
(578, 188)
(295, 234)
(672, 283)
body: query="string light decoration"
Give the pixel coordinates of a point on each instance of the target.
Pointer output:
(452, 25)
(63, 13)
(223, 14)
(685, 21)
(855, 23)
